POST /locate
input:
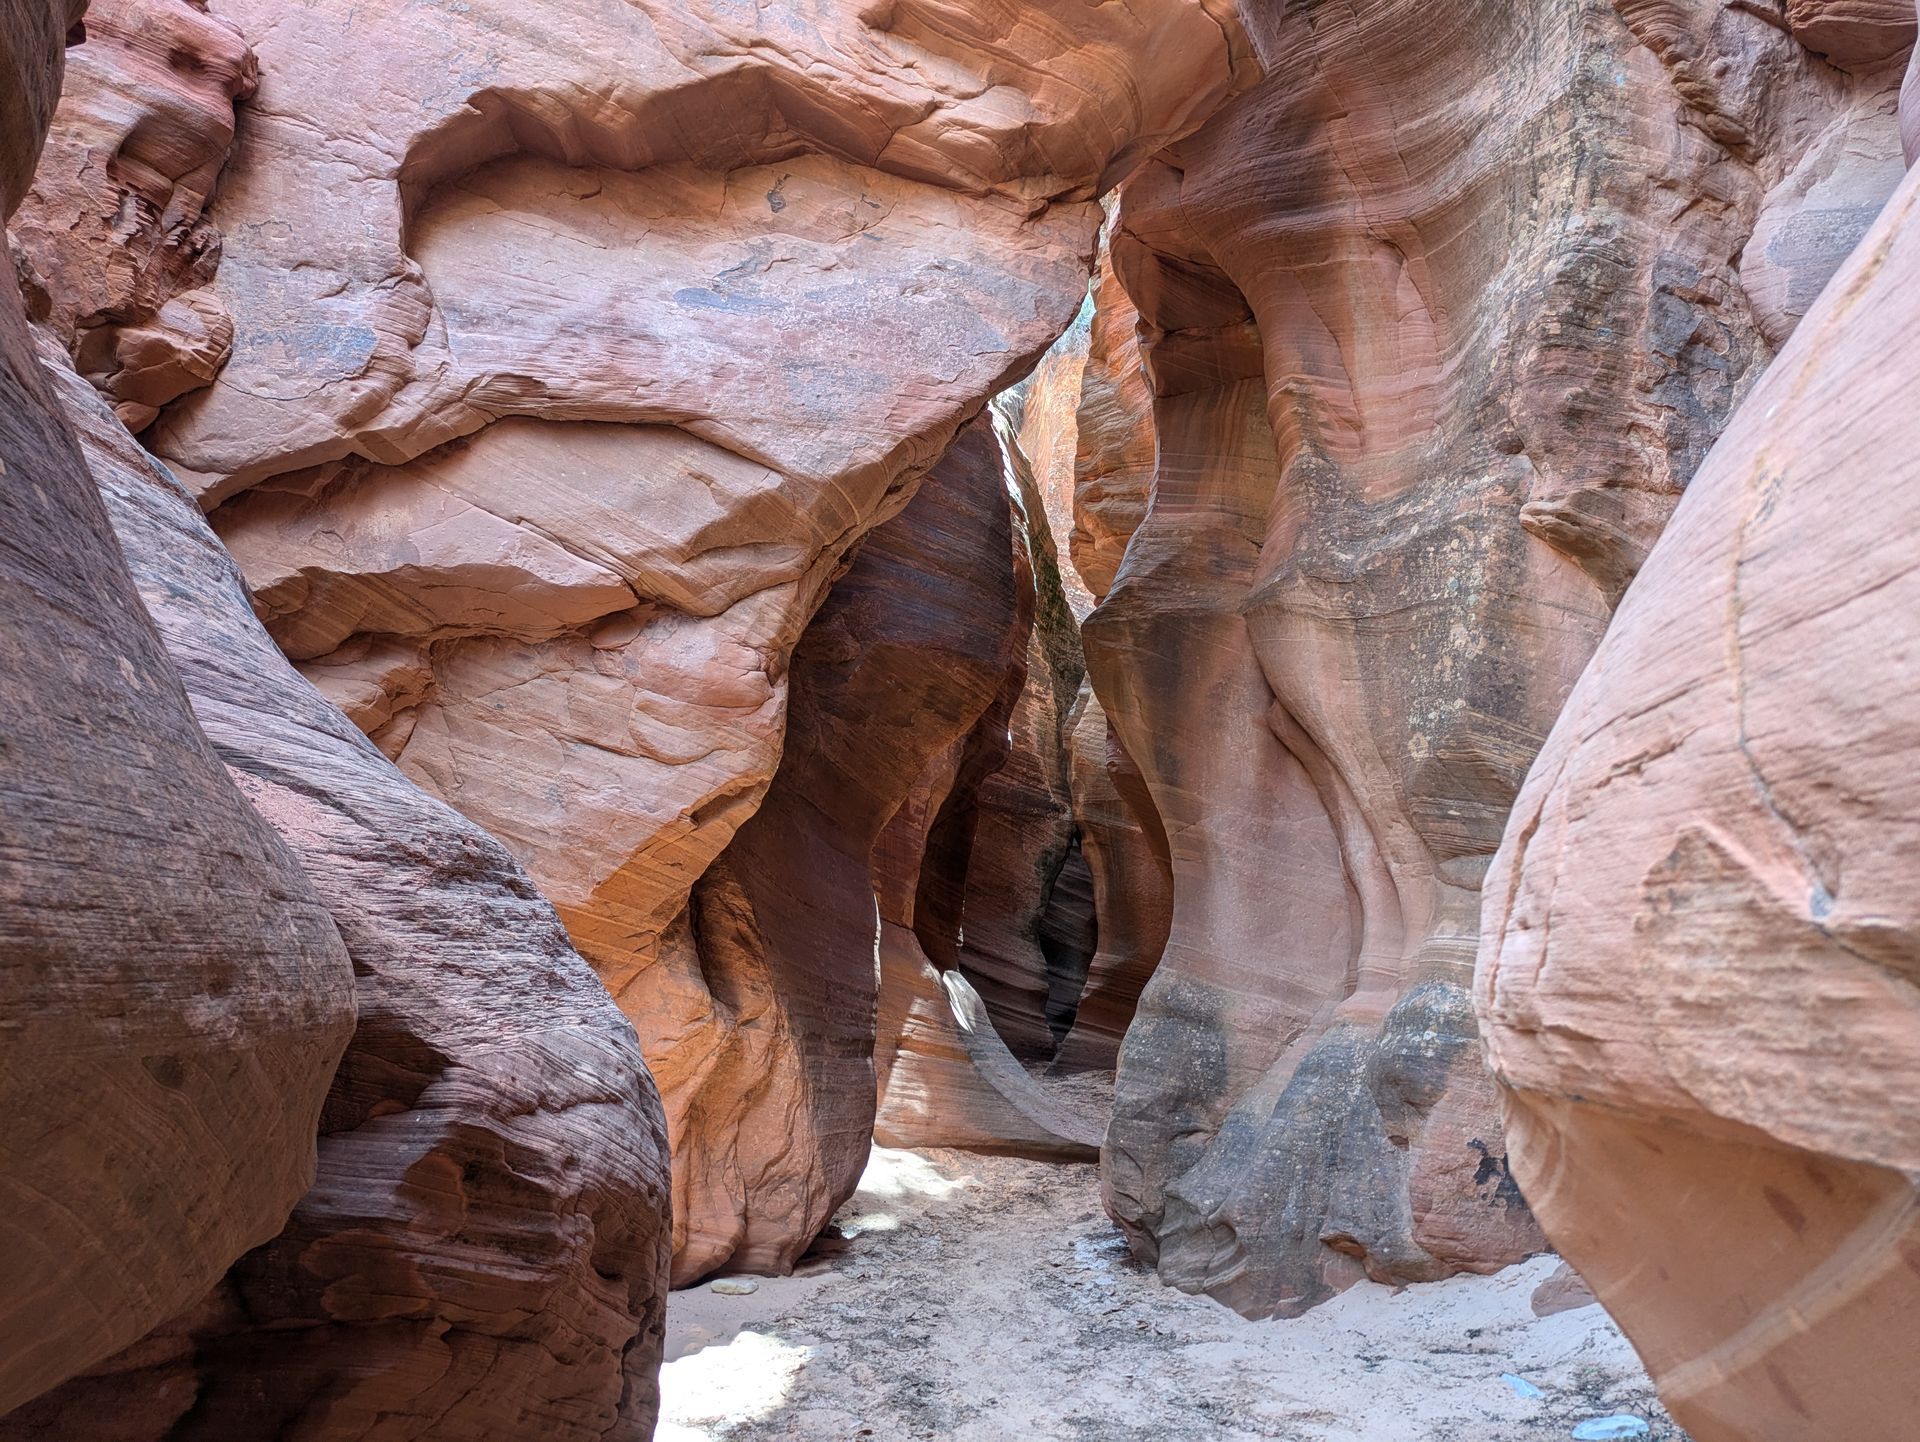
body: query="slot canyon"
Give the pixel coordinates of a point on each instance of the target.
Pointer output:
(1104, 720)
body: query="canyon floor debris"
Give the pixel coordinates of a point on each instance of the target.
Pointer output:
(983, 1299)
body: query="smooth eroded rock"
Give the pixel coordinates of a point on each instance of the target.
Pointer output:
(1699, 979)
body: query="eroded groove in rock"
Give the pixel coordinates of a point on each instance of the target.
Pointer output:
(484, 1246)
(1438, 321)
(905, 655)
(118, 250)
(1021, 950)
(1697, 974)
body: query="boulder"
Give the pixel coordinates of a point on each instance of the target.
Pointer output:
(1698, 976)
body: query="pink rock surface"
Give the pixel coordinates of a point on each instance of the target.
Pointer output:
(1132, 884)
(484, 1249)
(1697, 974)
(896, 667)
(116, 245)
(1438, 320)
(1025, 926)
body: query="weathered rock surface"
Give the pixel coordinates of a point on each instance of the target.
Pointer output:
(896, 667)
(32, 43)
(483, 1253)
(1110, 469)
(483, 1250)
(1026, 927)
(1438, 321)
(173, 995)
(117, 249)
(570, 362)
(1698, 976)
(1132, 884)
(1115, 445)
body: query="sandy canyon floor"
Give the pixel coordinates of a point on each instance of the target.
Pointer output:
(984, 1299)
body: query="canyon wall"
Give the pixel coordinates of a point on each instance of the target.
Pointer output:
(1699, 977)
(481, 1250)
(570, 362)
(173, 993)
(1438, 320)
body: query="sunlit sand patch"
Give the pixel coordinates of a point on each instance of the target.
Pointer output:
(705, 1394)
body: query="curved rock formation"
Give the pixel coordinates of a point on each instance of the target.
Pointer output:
(117, 246)
(1698, 976)
(1132, 885)
(483, 1253)
(896, 667)
(570, 362)
(173, 995)
(1026, 930)
(483, 1250)
(1438, 321)
(952, 857)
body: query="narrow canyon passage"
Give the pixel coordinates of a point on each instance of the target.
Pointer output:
(959, 719)
(986, 1299)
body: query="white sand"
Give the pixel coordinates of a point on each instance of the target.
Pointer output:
(989, 1300)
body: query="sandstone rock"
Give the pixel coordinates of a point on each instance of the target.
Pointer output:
(1128, 870)
(116, 245)
(1438, 321)
(946, 1077)
(173, 996)
(907, 653)
(484, 1250)
(31, 62)
(1114, 441)
(1022, 949)
(571, 361)
(1122, 840)
(1697, 976)
(1564, 1291)
(1042, 413)
(1853, 32)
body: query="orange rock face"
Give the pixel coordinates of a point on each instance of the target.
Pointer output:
(1698, 976)
(570, 362)
(1438, 320)
(895, 669)
(173, 994)
(1025, 926)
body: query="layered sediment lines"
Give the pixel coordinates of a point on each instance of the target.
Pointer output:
(1698, 976)
(1437, 322)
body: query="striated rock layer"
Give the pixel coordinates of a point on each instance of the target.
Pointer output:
(173, 995)
(117, 247)
(483, 1251)
(1026, 927)
(569, 363)
(897, 666)
(1699, 975)
(1438, 320)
